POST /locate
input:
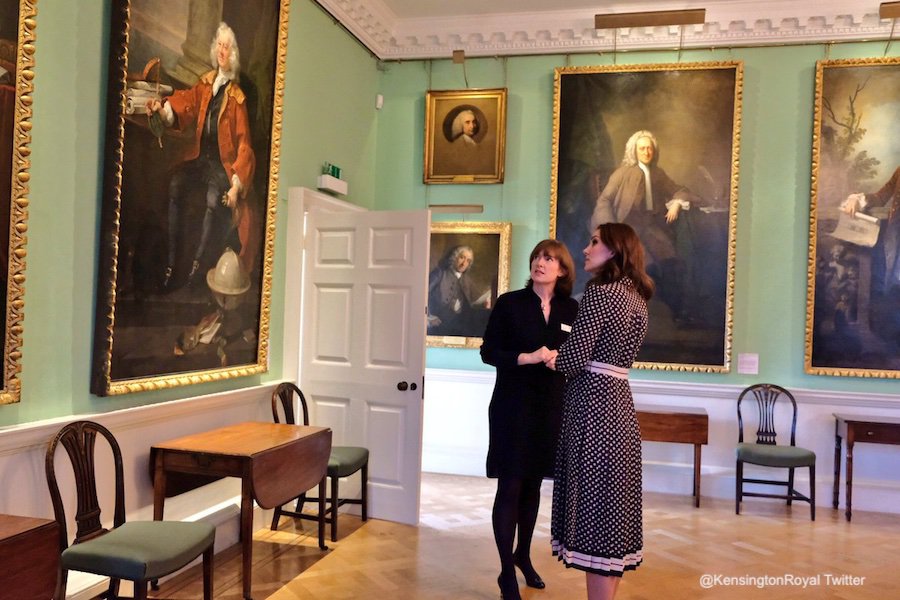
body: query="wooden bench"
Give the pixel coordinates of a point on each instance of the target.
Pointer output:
(676, 424)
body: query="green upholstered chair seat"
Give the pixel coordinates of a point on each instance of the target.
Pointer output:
(141, 550)
(775, 456)
(346, 460)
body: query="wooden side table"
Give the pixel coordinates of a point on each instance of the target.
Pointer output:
(855, 428)
(29, 555)
(677, 424)
(276, 463)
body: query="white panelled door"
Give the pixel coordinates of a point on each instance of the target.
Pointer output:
(363, 344)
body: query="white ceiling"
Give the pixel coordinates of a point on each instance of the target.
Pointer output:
(411, 29)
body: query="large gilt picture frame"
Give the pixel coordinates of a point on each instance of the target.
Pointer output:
(657, 146)
(468, 269)
(853, 289)
(465, 136)
(190, 180)
(17, 42)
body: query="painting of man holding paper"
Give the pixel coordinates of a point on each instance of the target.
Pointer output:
(455, 305)
(853, 299)
(886, 275)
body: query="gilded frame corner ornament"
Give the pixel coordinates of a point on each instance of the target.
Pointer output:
(465, 136)
(17, 57)
(130, 240)
(852, 289)
(460, 324)
(619, 101)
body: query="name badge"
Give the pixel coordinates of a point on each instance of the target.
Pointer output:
(566, 328)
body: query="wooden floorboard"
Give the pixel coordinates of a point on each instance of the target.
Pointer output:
(451, 554)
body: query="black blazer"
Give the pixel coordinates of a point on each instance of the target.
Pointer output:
(526, 406)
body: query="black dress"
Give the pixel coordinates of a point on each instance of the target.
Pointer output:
(526, 407)
(597, 513)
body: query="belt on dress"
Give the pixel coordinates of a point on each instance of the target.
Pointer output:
(606, 369)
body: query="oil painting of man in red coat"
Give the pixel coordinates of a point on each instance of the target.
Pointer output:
(198, 107)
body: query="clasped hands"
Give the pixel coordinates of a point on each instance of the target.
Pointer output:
(541, 355)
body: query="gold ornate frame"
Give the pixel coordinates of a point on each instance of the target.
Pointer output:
(843, 312)
(103, 381)
(17, 202)
(493, 238)
(451, 156)
(574, 192)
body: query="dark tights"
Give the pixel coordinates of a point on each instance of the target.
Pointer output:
(515, 506)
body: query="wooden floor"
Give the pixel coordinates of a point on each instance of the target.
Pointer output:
(451, 555)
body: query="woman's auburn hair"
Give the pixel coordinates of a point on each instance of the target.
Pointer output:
(560, 252)
(627, 259)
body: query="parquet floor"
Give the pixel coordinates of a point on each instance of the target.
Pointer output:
(451, 555)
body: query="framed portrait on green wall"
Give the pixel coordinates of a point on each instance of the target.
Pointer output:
(465, 136)
(193, 134)
(468, 269)
(853, 289)
(657, 146)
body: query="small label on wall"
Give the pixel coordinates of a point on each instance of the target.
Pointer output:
(748, 364)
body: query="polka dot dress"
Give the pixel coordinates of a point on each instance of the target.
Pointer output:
(597, 510)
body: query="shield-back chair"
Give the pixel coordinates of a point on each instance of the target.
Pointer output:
(137, 551)
(343, 462)
(766, 452)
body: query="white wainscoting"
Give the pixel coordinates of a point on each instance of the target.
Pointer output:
(455, 441)
(24, 484)
(456, 437)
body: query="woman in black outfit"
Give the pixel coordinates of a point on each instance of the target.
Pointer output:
(525, 329)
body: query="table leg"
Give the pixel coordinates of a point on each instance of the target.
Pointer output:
(159, 487)
(849, 474)
(836, 492)
(246, 535)
(697, 475)
(322, 545)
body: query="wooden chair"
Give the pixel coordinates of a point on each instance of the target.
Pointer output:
(767, 453)
(343, 462)
(138, 551)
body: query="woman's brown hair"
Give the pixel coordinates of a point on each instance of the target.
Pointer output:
(560, 252)
(627, 259)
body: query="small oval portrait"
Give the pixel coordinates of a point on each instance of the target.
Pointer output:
(467, 120)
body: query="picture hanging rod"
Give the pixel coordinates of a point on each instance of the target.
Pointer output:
(690, 16)
(456, 208)
(889, 10)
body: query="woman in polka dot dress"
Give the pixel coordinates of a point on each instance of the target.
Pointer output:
(597, 513)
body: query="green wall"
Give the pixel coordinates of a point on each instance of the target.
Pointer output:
(329, 115)
(773, 205)
(331, 83)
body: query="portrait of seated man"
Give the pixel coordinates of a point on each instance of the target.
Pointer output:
(640, 193)
(455, 306)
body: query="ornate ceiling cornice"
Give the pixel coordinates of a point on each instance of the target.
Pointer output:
(730, 23)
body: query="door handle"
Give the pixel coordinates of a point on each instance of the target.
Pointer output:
(402, 386)
(413, 386)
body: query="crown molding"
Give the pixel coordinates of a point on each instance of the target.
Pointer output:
(730, 23)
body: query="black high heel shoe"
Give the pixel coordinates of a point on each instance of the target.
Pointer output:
(509, 587)
(532, 579)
